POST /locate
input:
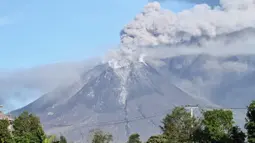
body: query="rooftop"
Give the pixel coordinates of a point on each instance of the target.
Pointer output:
(3, 117)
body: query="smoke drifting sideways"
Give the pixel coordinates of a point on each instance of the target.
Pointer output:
(212, 3)
(156, 29)
(239, 43)
(22, 86)
(156, 26)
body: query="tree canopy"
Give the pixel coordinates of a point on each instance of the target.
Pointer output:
(101, 137)
(158, 139)
(27, 128)
(250, 122)
(179, 125)
(214, 126)
(134, 138)
(5, 135)
(217, 125)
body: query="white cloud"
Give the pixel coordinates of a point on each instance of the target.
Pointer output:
(209, 2)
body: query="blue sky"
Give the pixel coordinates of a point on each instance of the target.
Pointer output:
(34, 32)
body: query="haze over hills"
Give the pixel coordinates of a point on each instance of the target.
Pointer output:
(199, 56)
(20, 87)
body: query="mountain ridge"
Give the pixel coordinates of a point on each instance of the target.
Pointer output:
(198, 56)
(149, 87)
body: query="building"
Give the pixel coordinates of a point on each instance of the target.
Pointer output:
(5, 117)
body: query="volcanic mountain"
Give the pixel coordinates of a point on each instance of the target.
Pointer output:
(123, 100)
(105, 94)
(150, 74)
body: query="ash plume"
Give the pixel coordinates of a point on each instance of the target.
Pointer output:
(209, 2)
(160, 33)
(156, 26)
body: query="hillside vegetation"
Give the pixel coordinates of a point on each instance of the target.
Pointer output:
(214, 126)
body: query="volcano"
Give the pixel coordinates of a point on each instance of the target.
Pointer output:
(134, 98)
(132, 91)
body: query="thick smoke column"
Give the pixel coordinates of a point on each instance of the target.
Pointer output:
(155, 26)
(156, 29)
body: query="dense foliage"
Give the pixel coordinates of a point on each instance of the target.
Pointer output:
(134, 138)
(179, 126)
(26, 129)
(158, 139)
(101, 137)
(250, 122)
(5, 135)
(214, 126)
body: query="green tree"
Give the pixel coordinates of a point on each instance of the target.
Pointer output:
(134, 138)
(158, 139)
(179, 126)
(217, 125)
(62, 139)
(28, 129)
(50, 139)
(237, 135)
(200, 136)
(101, 137)
(54, 139)
(5, 135)
(250, 122)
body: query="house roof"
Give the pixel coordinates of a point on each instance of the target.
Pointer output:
(3, 116)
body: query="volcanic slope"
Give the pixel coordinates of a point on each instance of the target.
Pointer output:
(106, 94)
(148, 79)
